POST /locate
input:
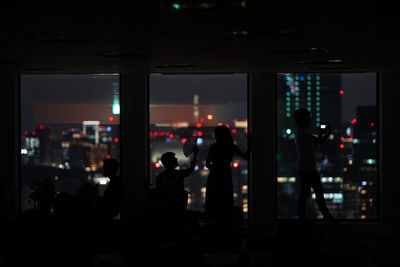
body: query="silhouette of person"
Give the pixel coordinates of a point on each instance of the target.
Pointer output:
(219, 188)
(306, 144)
(170, 182)
(172, 197)
(109, 204)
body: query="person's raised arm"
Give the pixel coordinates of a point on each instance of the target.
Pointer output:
(323, 136)
(193, 163)
(245, 155)
(188, 171)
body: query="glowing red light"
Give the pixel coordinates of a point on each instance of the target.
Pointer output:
(110, 118)
(151, 133)
(183, 140)
(198, 125)
(108, 156)
(201, 120)
(220, 124)
(341, 92)
(63, 132)
(234, 120)
(72, 129)
(26, 133)
(194, 134)
(155, 134)
(234, 131)
(342, 138)
(171, 136)
(157, 165)
(41, 127)
(341, 146)
(227, 125)
(116, 140)
(353, 121)
(372, 124)
(34, 133)
(235, 164)
(209, 117)
(199, 133)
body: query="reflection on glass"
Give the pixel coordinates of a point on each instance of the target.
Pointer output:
(347, 163)
(182, 106)
(69, 125)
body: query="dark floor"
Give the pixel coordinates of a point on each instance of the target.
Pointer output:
(202, 243)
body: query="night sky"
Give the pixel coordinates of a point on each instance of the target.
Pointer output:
(213, 89)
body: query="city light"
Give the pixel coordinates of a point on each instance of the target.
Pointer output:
(183, 140)
(116, 109)
(157, 165)
(209, 117)
(116, 140)
(110, 118)
(235, 164)
(176, 6)
(341, 92)
(198, 125)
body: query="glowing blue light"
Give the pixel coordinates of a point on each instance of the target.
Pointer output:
(115, 109)
(168, 140)
(301, 78)
(109, 129)
(288, 131)
(176, 6)
(200, 141)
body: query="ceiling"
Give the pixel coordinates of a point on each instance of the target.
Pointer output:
(194, 36)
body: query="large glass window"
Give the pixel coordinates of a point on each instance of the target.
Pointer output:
(69, 125)
(182, 106)
(347, 162)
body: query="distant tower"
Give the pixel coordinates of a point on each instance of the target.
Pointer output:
(196, 107)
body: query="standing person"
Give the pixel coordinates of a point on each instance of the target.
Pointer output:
(110, 203)
(219, 188)
(306, 144)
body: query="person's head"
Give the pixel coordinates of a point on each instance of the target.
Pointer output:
(302, 117)
(110, 167)
(223, 135)
(169, 160)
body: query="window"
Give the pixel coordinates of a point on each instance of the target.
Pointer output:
(69, 125)
(347, 163)
(186, 105)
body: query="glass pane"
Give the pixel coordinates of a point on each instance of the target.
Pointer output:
(347, 162)
(183, 106)
(69, 125)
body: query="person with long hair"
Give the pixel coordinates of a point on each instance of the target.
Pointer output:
(219, 188)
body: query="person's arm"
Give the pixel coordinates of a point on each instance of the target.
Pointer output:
(323, 136)
(188, 171)
(245, 155)
(210, 157)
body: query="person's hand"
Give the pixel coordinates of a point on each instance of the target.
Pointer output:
(328, 128)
